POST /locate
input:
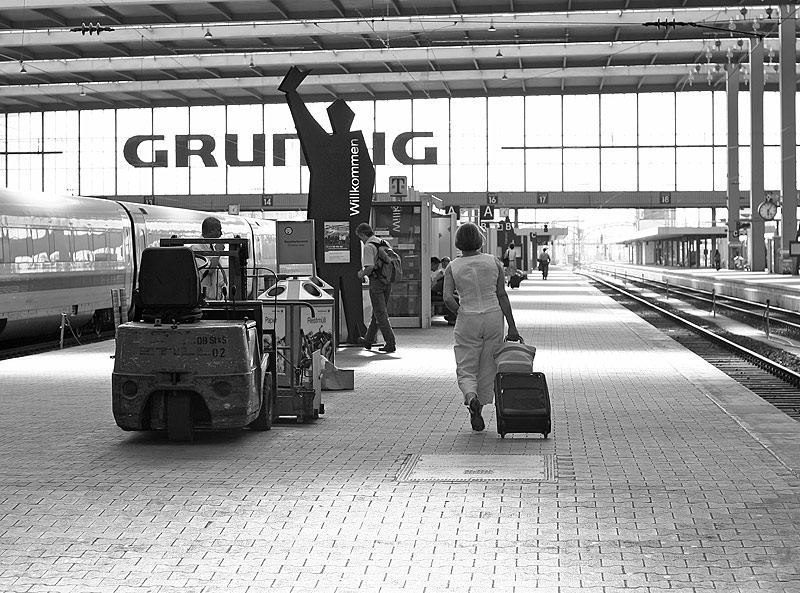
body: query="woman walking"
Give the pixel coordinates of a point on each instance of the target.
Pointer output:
(481, 306)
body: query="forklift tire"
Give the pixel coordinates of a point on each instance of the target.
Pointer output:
(264, 419)
(179, 417)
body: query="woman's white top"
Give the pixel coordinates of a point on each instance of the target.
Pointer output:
(475, 278)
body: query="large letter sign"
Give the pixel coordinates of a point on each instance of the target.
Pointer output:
(340, 189)
(131, 152)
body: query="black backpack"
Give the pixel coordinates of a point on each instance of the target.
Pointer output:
(388, 265)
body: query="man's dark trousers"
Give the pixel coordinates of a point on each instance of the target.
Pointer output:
(379, 297)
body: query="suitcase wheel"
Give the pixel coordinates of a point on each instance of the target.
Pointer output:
(502, 435)
(544, 434)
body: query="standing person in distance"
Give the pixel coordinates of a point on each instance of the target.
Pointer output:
(544, 263)
(379, 292)
(482, 306)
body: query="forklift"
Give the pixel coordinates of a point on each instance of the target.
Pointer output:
(183, 363)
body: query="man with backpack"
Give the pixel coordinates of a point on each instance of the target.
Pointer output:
(378, 267)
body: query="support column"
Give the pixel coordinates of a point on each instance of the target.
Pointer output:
(756, 252)
(788, 86)
(732, 95)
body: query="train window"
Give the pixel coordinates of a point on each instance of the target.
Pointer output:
(82, 244)
(19, 251)
(60, 243)
(5, 247)
(114, 245)
(40, 245)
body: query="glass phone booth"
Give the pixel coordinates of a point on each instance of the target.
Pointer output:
(403, 225)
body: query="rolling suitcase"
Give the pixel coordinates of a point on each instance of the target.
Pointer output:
(521, 397)
(515, 280)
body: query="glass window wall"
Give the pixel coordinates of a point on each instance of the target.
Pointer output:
(656, 119)
(98, 153)
(543, 121)
(432, 116)
(581, 121)
(25, 168)
(282, 170)
(61, 134)
(394, 119)
(207, 169)
(533, 143)
(581, 169)
(246, 140)
(694, 169)
(171, 122)
(694, 125)
(543, 167)
(136, 180)
(506, 144)
(618, 120)
(618, 169)
(468, 148)
(656, 169)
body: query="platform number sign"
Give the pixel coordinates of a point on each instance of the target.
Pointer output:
(487, 212)
(454, 209)
(542, 198)
(149, 201)
(266, 200)
(491, 199)
(398, 187)
(665, 198)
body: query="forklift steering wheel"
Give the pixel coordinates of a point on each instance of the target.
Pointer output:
(202, 261)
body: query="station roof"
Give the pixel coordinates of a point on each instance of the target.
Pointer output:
(189, 52)
(664, 233)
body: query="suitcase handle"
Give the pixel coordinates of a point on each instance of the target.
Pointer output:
(521, 341)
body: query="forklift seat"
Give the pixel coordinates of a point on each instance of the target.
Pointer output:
(169, 286)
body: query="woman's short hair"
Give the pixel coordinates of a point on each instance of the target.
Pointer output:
(469, 237)
(364, 229)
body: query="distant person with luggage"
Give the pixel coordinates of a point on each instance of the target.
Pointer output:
(544, 263)
(482, 306)
(380, 289)
(510, 262)
(717, 260)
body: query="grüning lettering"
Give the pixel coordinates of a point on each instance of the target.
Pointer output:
(204, 146)
(355, 181)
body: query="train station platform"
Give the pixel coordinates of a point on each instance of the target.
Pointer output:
(782, 290)
(661, 474)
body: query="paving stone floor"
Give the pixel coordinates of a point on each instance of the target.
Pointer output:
(668, 477)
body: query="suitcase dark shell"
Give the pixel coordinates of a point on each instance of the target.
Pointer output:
(522, 403)
(514, 280)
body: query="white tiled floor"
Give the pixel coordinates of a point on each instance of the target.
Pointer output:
(656, 487)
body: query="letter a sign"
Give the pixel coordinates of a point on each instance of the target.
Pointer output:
(487, 212)
(453, 209)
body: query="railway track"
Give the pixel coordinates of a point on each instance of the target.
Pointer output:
(753, 313)
(773, 382)
(17, 349)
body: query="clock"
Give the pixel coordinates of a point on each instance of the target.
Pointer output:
(767, 210)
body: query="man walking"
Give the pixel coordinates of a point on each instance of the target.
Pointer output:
(379, 291)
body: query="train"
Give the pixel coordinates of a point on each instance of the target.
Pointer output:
(68, 255)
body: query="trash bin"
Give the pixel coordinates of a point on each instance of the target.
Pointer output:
(302, 314)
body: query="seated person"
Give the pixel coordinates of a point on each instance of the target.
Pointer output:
(437, 277)
(437, 287)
